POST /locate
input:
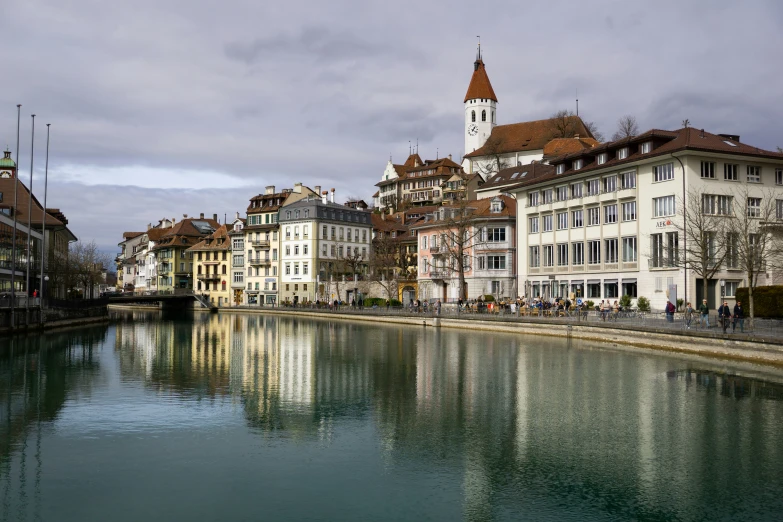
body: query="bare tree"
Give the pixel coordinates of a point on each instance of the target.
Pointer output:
(780, 149)
(495, 162)
(686, 123)
(564, 124)
(459, 229)
(701, 222)
(593, 128)
(87, 265)
(751, 238)
(386, 263)
(626, 128)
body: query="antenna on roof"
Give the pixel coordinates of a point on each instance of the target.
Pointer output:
(577, 102)
(436, 153)
(417, 145)
(410, 151)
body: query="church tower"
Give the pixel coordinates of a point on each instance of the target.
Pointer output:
(480, 107)
(7, 166)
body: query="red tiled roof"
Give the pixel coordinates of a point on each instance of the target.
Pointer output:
(479, 86)
(560, 146)
(525, 136)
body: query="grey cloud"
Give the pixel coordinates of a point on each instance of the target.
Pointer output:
(322, 92)
(318, 42)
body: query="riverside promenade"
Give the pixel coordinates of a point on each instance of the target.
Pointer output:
(763, 344)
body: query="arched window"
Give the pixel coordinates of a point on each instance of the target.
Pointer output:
(483, 115)
(473, 116)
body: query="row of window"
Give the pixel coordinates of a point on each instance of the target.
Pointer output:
(483, 116)
(590, 187)
(485, 235)
(341, 251)
(267, 286)
(610, 250)
(550, 289)
(265, 219)
(490, 262)
(305, 268)
(731, 172)
(627, 213)
(622, 153)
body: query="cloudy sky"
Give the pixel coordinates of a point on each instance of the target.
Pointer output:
(161, 108)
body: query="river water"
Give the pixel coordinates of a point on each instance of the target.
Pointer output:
(251, 417)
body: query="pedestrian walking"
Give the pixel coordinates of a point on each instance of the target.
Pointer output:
(437, 307)
(704, 314)
(688, 315)
(739, 317)
(669, 312)
(603, 308)
(724, 315)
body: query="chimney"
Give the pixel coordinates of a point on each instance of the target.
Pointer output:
(298, 188)
(201, 216)
(449, 156)
(270, 189)
(383, 216)
(237, 215)
(317, 189)
(332, 195)
(149, 226)
(402, 217)
(323, 197)
(214, 216)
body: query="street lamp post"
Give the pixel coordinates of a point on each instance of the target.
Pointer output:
(43, 219)
(30, 222)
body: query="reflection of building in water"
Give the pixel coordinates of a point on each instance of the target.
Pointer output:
(258, 369)
(140, 347)
(39, 374)
(297, 344)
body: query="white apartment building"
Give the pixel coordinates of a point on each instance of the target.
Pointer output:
(262, 242)
(318, 238)
(603, 223)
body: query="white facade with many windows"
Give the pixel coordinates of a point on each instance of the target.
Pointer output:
(605, 224)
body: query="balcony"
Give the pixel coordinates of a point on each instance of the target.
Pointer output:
(438, 275)
(436, 250)
(260, 243)
(259, 261)
(209, 277)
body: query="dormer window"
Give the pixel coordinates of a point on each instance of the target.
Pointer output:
(578, 164)
(622, 153)
(646, 147)
(601, 158)
(561, 168)
(496, 206)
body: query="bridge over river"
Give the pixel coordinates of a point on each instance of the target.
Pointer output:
(164, 300)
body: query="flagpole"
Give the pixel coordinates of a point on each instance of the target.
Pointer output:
(16, 200)
(30, 221)
(43, 221)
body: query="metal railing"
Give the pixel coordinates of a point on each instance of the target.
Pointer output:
(631, 320)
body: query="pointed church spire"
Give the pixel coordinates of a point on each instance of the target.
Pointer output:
(480, 87)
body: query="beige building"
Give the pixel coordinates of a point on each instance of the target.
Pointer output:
(211, 270)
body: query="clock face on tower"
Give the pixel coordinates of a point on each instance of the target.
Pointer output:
(473, 129)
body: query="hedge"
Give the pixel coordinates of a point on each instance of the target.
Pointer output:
(380, 301)
(767, 301)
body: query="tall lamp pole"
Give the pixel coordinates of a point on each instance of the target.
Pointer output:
(43, 220)
(30, 221)
(16, 200)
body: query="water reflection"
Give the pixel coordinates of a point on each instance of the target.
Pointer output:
(498, 427)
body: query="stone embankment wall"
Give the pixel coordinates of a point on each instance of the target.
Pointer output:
(761, 351)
